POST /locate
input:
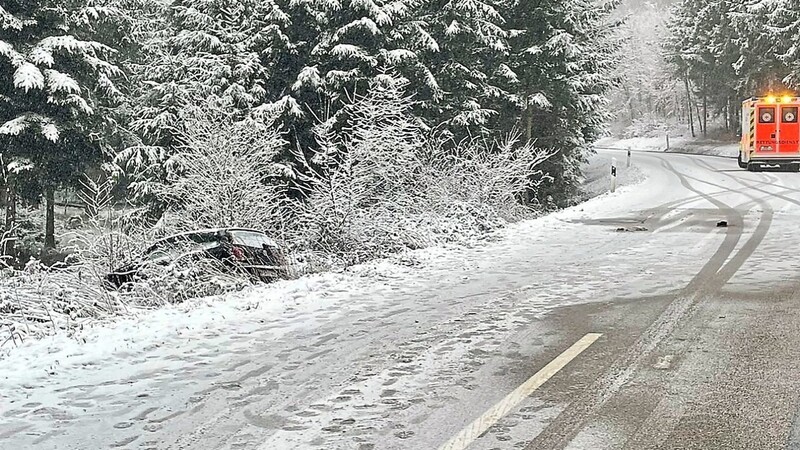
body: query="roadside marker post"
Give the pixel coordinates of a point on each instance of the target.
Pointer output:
(667, 140)
(629, 158)
(613, 174)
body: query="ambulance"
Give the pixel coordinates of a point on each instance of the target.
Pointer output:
(770, 133)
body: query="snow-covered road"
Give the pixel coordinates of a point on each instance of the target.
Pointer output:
(698, 346)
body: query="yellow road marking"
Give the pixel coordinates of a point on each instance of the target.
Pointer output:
(469, 434)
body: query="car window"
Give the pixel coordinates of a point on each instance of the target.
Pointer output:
(203, 238)
(251, 239)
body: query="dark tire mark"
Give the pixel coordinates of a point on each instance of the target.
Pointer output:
(662, 420)
(767, 217)
(714, 274)
(758, 188)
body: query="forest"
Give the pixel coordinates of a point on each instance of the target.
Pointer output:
(693, 62)
(120, 95)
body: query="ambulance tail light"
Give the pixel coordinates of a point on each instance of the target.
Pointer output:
(770, 99)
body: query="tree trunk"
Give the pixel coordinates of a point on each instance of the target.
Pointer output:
(689, 104)
(705, 108)
(726, 116)
(11, 218)
(528, 122)
(698, 115)
(629, 103)
(50, 219)
(3, 194)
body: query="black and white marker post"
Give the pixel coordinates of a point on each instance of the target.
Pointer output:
(629, 158)
(613, 174)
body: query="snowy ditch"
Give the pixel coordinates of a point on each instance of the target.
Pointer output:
(141, 329)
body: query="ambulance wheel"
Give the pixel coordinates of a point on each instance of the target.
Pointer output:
(753, 167)
(742, 164)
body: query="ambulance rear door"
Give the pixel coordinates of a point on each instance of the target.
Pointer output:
(788, 130)
(766, 129)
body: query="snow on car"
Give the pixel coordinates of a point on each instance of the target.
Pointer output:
(243, 250)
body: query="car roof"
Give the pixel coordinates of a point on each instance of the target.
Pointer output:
(211, 231)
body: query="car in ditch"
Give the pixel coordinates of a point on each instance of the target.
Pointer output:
(234, 250)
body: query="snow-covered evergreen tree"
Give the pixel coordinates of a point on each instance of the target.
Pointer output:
(470, 62)
(783, 26)
(720, 87)
(343, 44)
(761, 36)
(564, 56)
(212, 51)
(54, 79)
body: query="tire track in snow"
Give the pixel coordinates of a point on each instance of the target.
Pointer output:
(758, 187)
(794, 436)
(709, 279)
(664, 418)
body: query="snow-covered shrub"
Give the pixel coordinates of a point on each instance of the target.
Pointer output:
(369, 177)
(224, 173)
(381, 183)
(39, 301)
(29, 240)
(102, 239)
(490, 183)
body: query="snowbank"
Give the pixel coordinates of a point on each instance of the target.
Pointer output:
(105, 341)
(596, 174)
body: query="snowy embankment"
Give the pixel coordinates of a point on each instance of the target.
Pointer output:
(201, 319)
(597, 173)
(677, 144)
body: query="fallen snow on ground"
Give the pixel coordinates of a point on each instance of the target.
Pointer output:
(196, 319)
(259, 358)
(597, 174)
(200, 317)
